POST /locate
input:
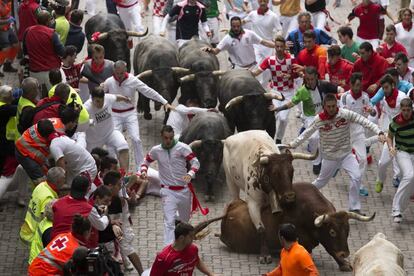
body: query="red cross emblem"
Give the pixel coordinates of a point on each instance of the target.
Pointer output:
(59, 244)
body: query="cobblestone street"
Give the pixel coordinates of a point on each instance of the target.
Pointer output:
(148, 217)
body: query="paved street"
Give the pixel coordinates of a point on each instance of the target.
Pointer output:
(148, 224)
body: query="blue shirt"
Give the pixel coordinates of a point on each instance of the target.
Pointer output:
(296, 37)
(403, 86)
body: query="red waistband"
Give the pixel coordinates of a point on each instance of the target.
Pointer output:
(122, 110)
(174, 188)
(126, 6)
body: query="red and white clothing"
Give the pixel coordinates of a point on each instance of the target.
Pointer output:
(124, 115)
(170, 262)
(158, 15)
(179, 118)
(340, 72)
(390, 52)
(72, 74)
(175, 193)
(408, 76)
(405, 36)
(130, 13)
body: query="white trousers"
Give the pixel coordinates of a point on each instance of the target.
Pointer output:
(384, 162)
(289, 23)
(213, 25)
(131, 17)
(282, 116)
(115, 142)
(313, 141)
(350, 165)
(176, 205)
(374, 42)
(90, 6)
(358, 142)
(406, 188)
(156, 24)
(319, 20)
(19, 181)
(129, 121)
(261, 52)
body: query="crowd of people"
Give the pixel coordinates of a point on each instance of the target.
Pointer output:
(62, 129)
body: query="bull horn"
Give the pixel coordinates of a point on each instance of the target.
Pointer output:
(202, 225)
(190, 77)
(305, 156)
(320, 220)
(195, 144)
(144, 74)
(235, 100)
(353, 215)
(274, 96)
(137, 34)
(264, 160)
(101, 36)
(180, 70)
(218, 73)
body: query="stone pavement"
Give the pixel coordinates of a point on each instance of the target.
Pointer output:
(148, 224)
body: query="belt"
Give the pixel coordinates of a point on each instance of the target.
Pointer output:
(126, 6)
(122, 110)
(173, 188)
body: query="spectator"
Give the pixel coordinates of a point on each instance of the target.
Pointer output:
(349, 50)
(181, 249)
(338, 69)
(405, 32)
(294, 259)
(31, 92)
(61, 23)
(76, 36)
(402, 64)
(41, 196)
(390, 48)
(44, 49)
(52, 259)
(9, 44)
(28, 11)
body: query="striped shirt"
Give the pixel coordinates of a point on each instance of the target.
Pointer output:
(403, 134)
(335, 141)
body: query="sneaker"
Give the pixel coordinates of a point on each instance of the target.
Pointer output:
(317, 168)
(363, 191)
(396, 182)
(369, 159)
(398, 219)
(378, 186)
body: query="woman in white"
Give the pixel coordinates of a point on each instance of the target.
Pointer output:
(405, 33)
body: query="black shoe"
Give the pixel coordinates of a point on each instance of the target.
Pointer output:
(278, 141)
(357, 211)
(7, 67)
(317, 168)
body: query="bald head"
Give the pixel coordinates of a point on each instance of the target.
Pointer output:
(30, 88)
(6, 94)
(43, 17)
(120, 69)
(120, 64)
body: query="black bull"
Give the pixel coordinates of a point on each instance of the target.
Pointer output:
(204, 135)
(113, 36)
(314, 216)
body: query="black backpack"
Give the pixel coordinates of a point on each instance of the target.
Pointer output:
(28, 113)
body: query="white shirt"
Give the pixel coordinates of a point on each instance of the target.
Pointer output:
(178, 118)
(384, 3)
(390, 112)
(241, 51)
(356, 105)
(102, 119)
(408, 75)
(406, 39)
(265, 25)
(77, 158)
(316, 99)
(127, 88)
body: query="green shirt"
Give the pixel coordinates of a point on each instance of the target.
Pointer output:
(403, 135)
(62, 28)
(346, 52)
(304, 95)
(212, 11)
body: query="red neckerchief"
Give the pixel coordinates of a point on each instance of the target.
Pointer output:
(55, 135)
(392, 99)
(95, 68)
(53, 186)
(399, 119)
(126, 75)
(261, 11)
(355, 96)
(325, 116)
(190, 116)
(304, 30)
(408, 26)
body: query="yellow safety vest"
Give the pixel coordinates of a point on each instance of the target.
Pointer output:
(36, 246)
(11, 127)
(84, 115)
(41, 195)
(23, 102)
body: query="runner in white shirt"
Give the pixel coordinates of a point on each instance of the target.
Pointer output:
(405, 33)
(72, 158)
(265, 24)
(124, 115)
(239, 44)
(130, 13)
(102, 130)
(401, 63)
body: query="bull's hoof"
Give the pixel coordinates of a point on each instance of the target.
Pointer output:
(147, 116)
(345, 267)
(265, 259)
(209, 198)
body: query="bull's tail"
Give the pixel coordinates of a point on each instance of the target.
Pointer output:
(198, 229)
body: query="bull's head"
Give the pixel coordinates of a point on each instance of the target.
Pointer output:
(277, 174)
(210, 155)
(205, 83)
(333, 231)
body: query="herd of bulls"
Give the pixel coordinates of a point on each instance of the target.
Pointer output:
(251, 160)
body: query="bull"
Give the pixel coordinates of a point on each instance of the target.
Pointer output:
(202, 82)
(379, 257)
(204, 135)
(253, 163)
(156, 64)
(112, 36)
(245, 102)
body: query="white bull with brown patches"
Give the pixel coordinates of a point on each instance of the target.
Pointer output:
(255, 164)
(379, 257)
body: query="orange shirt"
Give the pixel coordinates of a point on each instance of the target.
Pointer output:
(295, 261)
